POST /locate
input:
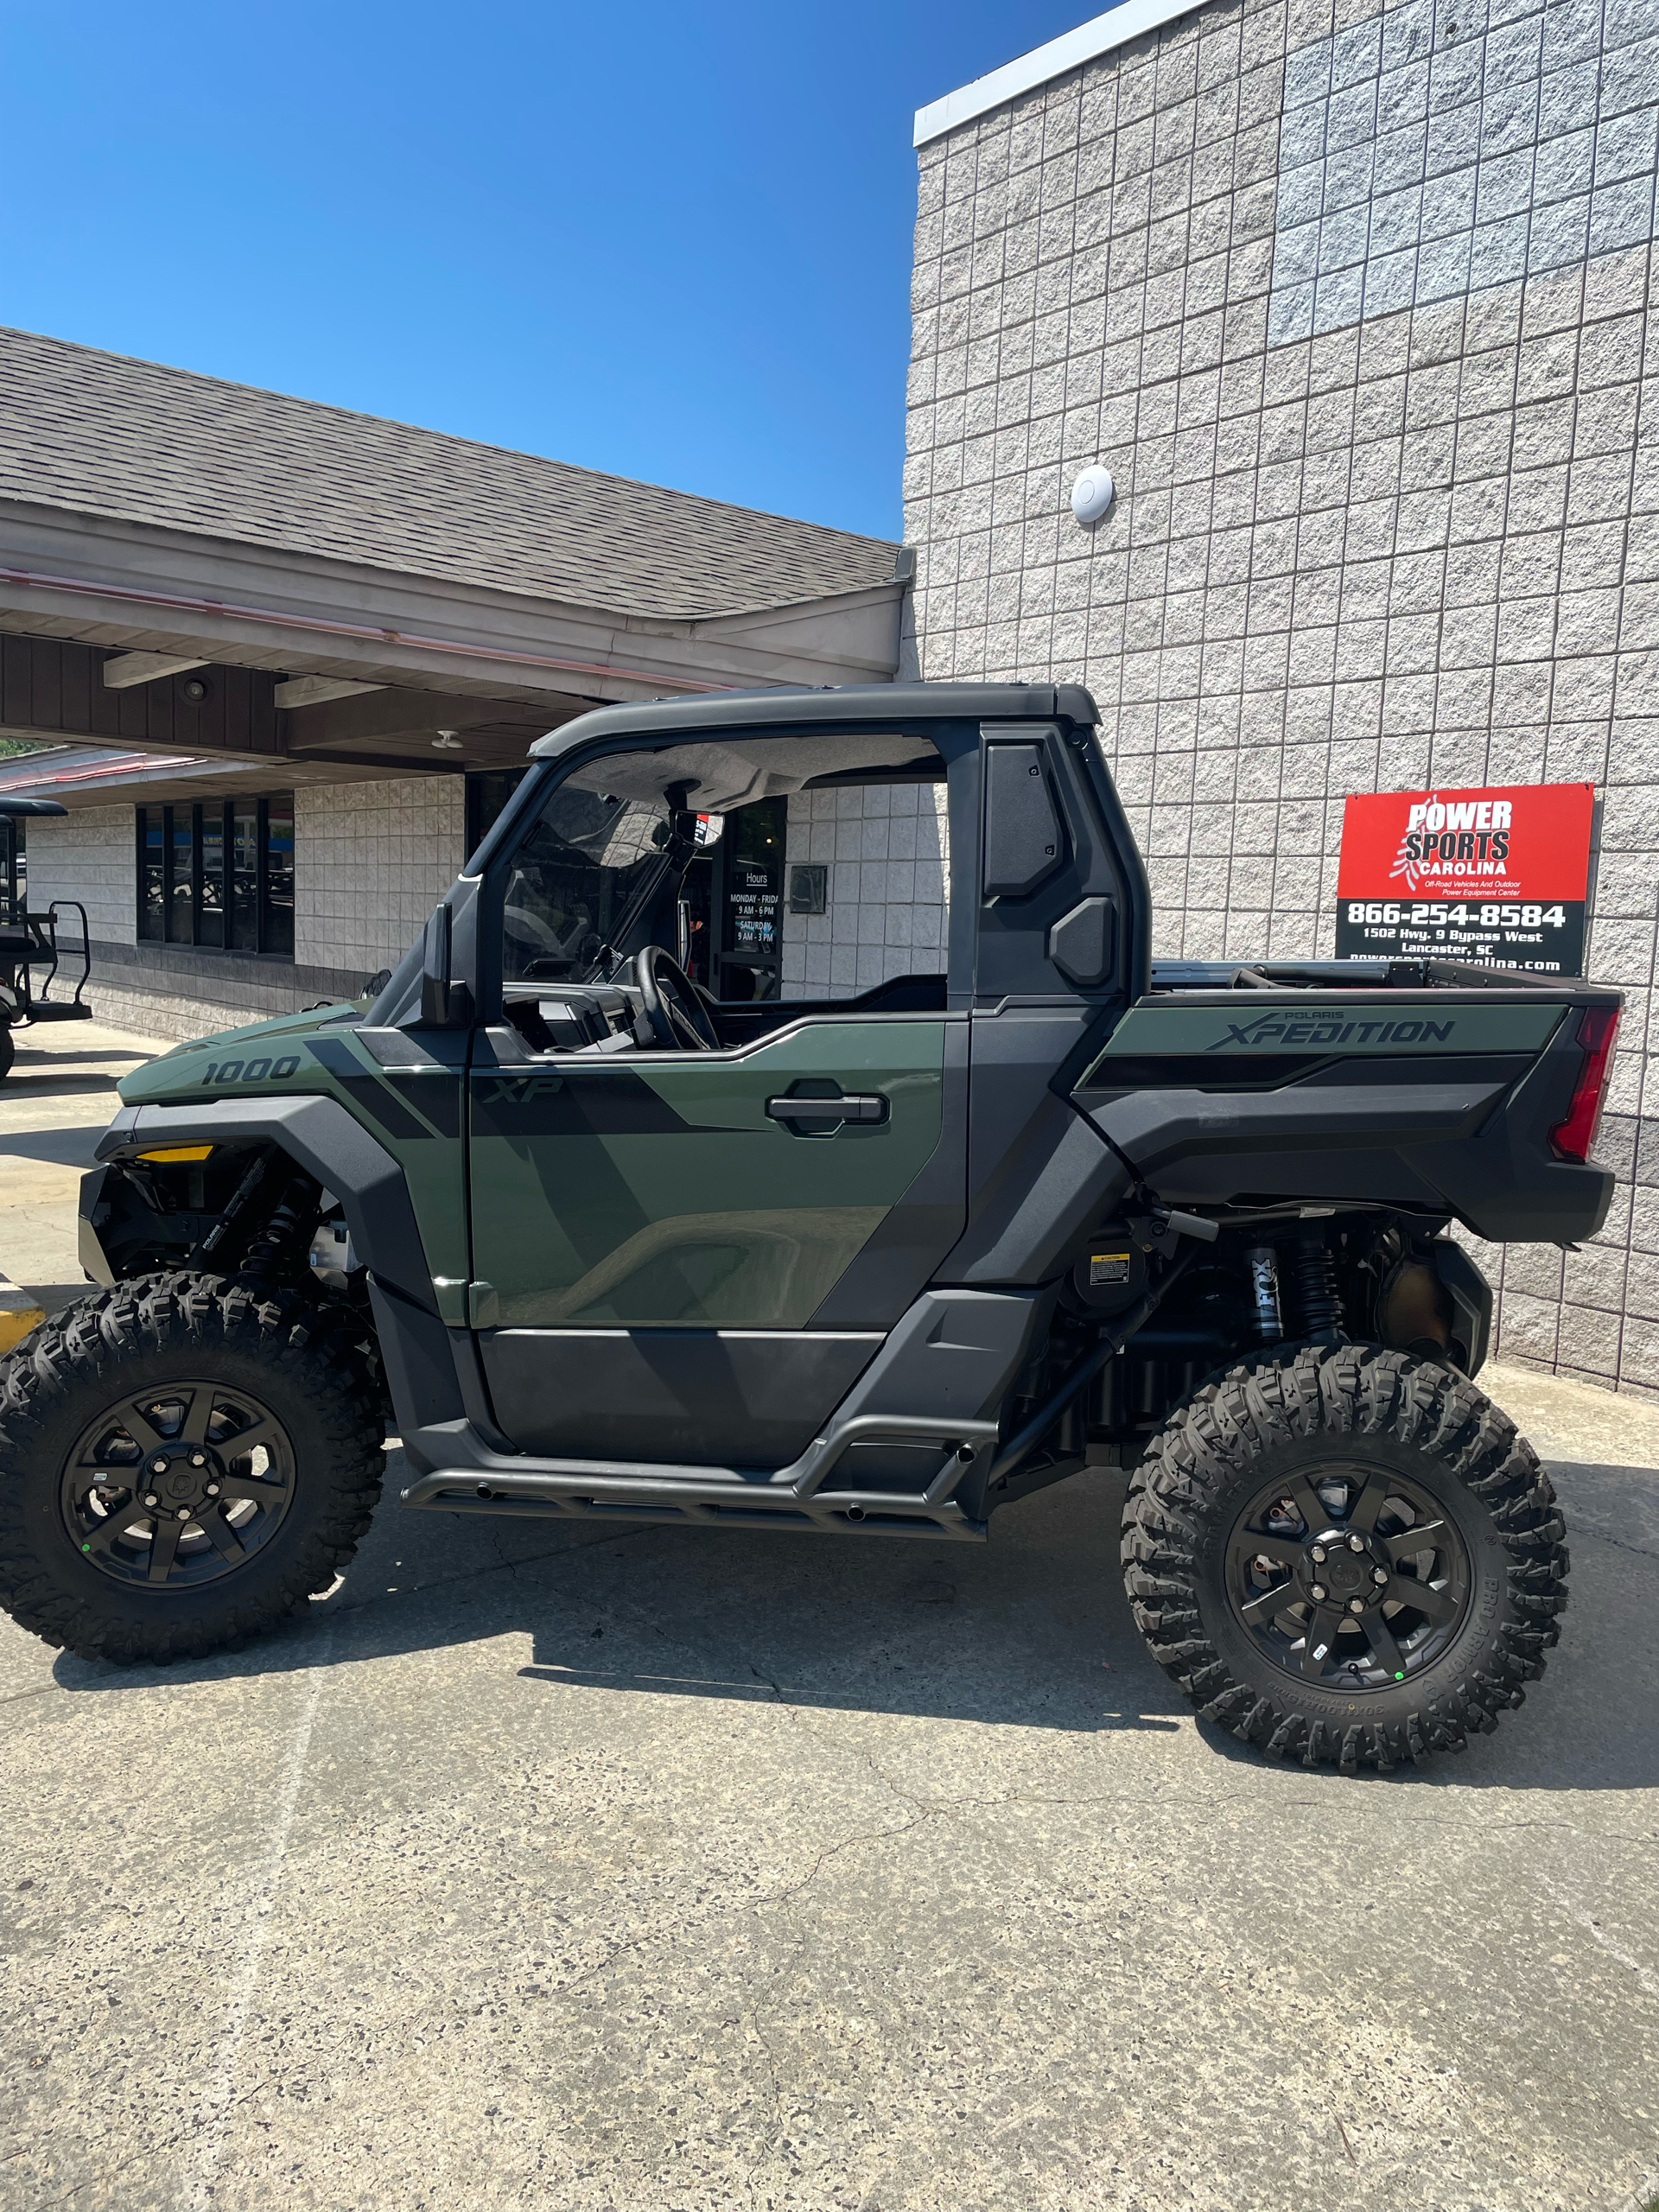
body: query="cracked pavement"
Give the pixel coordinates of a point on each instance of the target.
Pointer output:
(668, 1868)
(626, 1869)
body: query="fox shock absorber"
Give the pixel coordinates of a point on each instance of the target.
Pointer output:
(1263, 1265)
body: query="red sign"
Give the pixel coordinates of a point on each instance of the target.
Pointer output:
(1498, 874)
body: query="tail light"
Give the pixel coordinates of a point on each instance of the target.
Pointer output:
(1574, 1138)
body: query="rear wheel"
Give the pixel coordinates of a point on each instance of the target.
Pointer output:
(185, 1459)
(1348, 1556)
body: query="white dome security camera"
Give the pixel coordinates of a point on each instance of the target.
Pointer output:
(1092, 494)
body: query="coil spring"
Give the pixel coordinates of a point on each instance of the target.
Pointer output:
(290, 1218)
(1317, 1292)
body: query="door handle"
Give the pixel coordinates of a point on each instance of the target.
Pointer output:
(820, 1113)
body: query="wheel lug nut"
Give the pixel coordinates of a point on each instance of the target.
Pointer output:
(1318, 1591)
(198, 1458)
(150, 1498)
(184, 1513)
(1319, 1553)
(1356, 1543)
(158, 1467)
(213, 1489)
(1355, 1605)
(1379, 1575)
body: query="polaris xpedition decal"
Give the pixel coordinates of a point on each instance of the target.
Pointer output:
(1270, 1029)
(1162, 1027)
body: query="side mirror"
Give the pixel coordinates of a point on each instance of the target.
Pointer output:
(445, 1004)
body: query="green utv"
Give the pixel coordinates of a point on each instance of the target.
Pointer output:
(715, 1235)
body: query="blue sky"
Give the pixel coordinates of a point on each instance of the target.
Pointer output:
(670, 242)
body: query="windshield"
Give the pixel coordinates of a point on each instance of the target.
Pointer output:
(587, 863)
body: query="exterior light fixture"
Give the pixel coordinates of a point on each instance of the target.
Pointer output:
(1092, 494)
(195, 689)
(446, 741)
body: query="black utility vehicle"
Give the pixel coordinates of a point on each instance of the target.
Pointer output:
(947, 1192)
(29, 940)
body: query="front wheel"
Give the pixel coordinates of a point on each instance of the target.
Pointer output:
(1348, 1556)
(183, 1459)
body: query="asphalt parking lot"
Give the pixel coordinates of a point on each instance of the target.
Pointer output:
(653, 1870)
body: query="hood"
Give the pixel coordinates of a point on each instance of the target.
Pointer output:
(164, 1077)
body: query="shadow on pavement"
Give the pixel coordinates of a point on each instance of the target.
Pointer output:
(99, 1058)
(61, 1082)
(68, 1147)
(1029, 1631)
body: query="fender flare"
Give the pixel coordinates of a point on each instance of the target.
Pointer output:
(321, 1136)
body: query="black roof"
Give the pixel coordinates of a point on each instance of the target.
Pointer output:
(806, 707)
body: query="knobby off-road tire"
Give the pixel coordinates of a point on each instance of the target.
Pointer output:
(1436, 1515)
(143, 1393)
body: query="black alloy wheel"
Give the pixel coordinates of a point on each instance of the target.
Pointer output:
(178, 1486)
(1345, 1555)
(1349, 1576)
(185, 1459)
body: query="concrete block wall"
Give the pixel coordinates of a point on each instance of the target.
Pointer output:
(1353, 301)
(92, 856)
(370, 861)
(147, 1004)
(887, 848)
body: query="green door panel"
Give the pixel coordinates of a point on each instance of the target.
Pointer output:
(656, 1190)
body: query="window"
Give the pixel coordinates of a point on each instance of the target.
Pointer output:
(219, 873)
(14, 868)
(576, 885)
(749, 868)
(488, 790)
(829, 890)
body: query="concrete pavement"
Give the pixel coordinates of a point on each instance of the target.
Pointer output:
(55, 1105)
(657, 1870)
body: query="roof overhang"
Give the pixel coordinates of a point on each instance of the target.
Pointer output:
(71, 778)
(143, 587)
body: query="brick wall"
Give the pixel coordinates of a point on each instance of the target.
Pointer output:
(1352, 302)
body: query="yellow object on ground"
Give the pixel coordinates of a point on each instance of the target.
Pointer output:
(19, 1312)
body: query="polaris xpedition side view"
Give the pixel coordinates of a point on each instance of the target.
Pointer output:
(604, 1230)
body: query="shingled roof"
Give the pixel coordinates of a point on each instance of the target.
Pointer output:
(103, 435)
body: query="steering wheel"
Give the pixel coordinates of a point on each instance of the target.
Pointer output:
(678, 1019)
